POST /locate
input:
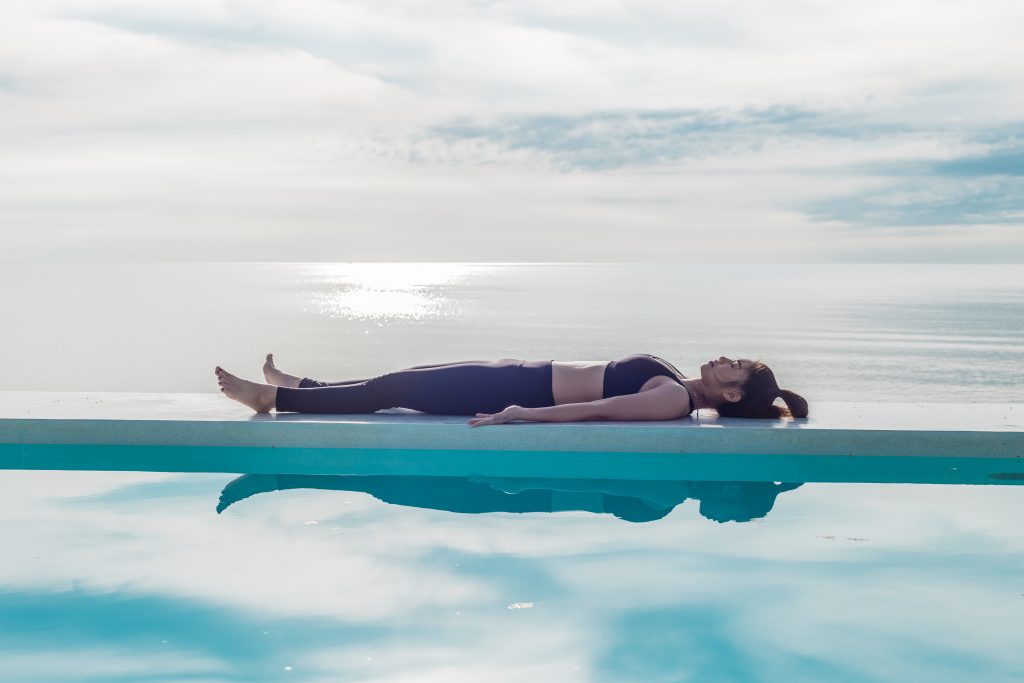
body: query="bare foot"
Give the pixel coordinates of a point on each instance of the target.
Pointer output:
(260, 397)
(278, 378)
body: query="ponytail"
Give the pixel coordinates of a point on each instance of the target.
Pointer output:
(796, 405)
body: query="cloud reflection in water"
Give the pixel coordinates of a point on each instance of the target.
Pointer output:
(849, 582)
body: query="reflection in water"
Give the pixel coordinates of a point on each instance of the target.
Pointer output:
(119, 576)
(633, 501)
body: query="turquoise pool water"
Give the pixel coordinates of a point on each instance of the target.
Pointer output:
(130, 576)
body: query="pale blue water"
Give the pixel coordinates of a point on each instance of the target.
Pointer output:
(128, 576)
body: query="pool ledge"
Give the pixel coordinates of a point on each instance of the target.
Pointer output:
(35, 428)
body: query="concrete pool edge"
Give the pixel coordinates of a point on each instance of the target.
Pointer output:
(207, 432)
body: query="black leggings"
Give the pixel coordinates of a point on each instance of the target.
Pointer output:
(461, 388)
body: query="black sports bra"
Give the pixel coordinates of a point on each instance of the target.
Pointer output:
(626, 376)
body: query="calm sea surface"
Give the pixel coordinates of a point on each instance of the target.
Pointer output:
(935, 333)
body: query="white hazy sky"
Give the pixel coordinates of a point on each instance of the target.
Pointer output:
(635, 131)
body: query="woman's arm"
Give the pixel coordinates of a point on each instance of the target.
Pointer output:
(666, 402)
(567, 412)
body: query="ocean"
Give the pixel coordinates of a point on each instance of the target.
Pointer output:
(831, 332)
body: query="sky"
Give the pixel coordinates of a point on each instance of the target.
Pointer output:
(528, 131)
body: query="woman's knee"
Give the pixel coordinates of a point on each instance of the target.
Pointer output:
(388, 390)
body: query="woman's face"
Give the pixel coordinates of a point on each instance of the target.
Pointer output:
(724, 375)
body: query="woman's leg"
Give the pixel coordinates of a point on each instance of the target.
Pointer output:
(307, 383)
(464, 388)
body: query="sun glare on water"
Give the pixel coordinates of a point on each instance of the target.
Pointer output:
(386, 290)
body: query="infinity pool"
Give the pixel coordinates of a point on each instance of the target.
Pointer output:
(129, 576)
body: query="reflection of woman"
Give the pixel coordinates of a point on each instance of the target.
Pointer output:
(638, 387)
(633, 501)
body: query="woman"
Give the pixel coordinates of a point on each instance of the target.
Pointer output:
(638, 387)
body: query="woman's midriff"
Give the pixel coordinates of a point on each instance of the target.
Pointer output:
(582, 381)
(577, 381)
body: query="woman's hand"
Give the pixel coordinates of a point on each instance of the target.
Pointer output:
(510, 413)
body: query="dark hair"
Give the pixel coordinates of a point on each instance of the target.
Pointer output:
(759, 394)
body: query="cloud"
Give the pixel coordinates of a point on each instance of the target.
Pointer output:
(999, 162)
(600, 141)
(148, 131)
(967, 189)
(344, 35)
(970, 189)
(927, 203)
